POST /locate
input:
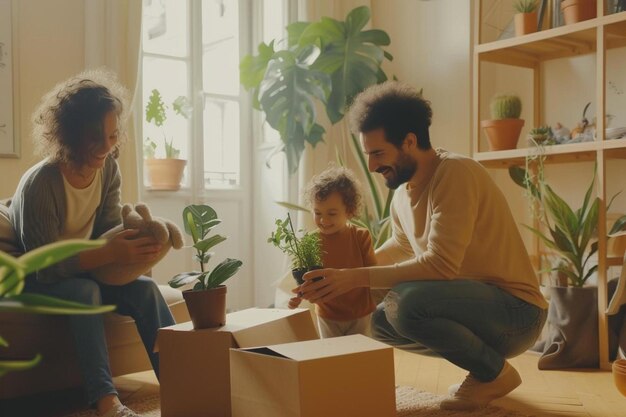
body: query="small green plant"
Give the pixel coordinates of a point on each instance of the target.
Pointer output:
(13, 271)
(305, 251)
(506, 106)
(199, 220)
(525, 6)
(156, 113)
(541, 135)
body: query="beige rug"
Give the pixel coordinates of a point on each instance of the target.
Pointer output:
(409, 403)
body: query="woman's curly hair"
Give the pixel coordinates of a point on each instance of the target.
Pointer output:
(335, 179)
(69, 122)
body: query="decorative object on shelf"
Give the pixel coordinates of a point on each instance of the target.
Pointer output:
(541, 135)
(164, 173)
(326, 62)
(504, 128)
(206, 301)
(575, 11)
(526, 17)
(619, 375)
(305, 251)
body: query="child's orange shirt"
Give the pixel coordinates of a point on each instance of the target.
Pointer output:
(348, 248)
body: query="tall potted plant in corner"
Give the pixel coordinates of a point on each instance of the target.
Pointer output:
(164, 173)
(526, 17)
(206, 301)
(572, 339)
(304, 251)
(504, 128)
(327, 62)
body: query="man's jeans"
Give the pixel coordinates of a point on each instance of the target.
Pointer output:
(469, 323)
(141, 299)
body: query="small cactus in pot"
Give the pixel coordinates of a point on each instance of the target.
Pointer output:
(504, 128)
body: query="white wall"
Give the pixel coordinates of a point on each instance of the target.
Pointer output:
(49, 48)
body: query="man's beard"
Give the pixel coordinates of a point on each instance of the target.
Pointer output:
(402, 171)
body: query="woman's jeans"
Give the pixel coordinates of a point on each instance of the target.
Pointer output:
(469, 323)
(141, 299)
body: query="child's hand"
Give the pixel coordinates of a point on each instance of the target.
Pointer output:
(294, 302)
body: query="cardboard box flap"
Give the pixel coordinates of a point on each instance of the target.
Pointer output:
(322, 348)
(271, 326)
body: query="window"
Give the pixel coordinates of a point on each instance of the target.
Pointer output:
(192, 48)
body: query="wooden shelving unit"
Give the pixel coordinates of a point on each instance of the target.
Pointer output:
(594, 36)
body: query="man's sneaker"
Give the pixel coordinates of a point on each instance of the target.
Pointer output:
(473, 394)
(121, 411)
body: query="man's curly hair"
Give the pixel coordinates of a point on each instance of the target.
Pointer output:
(335, 179)
(69, 122)
(395, 107)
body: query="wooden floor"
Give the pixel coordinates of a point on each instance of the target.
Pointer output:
(578, 393)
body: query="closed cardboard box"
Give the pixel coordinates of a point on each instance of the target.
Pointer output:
(350, 376)
(194, 364)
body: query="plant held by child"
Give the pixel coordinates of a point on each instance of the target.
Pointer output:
(305, 251)
(199, 220)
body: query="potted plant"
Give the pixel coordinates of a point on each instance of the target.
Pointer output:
(526, 17)
(578, 10)
(541, 135)
(164, 173)
(504, 128)
(327, 62)
(206, 301)
(13, 271)
(572, 339)
(305, 251)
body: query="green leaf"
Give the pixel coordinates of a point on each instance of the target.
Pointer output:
(618, 225)
(43, 304)
(155, 109)
(182, 106)
(185, 278)
(7, 366)
(208, 243)
(252, 69)
(11, 283)
(294, 32)
(3, 343)
(47, 255)
(199, 219)
(223, 271)
(292, 206)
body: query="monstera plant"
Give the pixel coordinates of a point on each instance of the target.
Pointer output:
(327, 62)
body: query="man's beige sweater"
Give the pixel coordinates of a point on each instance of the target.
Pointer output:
(456, 225)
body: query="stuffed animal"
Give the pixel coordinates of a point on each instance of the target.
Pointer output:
(163, 231)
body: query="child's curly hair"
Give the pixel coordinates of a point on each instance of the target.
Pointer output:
(68, 123)
(335, 179)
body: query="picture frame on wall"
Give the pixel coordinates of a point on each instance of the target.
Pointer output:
(9, 143)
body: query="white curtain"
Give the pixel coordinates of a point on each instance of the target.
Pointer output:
(337, 137)
(113, 40)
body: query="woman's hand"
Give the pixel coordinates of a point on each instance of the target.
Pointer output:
(335, 283)
(125, 249)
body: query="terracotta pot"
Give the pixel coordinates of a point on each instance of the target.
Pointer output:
(578, 10)
(298, 273)
(525, 23)
(502, 134)
(165, 174)
(206, 308)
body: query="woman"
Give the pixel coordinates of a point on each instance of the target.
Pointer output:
(74, 192)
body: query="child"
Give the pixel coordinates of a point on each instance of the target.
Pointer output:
(335, 199)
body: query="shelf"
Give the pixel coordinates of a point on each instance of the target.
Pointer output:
(561, 42)
(576, 152)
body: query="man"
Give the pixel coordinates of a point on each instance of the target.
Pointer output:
(462, 286)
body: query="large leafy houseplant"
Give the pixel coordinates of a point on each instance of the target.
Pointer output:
(208, 290)
(570, 233)
(327, 62)
(13, 272)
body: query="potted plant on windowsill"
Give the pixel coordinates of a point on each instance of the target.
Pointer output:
(206, 301)
(164, 173)
(526, 17)
(504, 128)
(305, 251)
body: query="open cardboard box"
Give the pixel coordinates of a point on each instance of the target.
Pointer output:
(350, 376)
(194, 364)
